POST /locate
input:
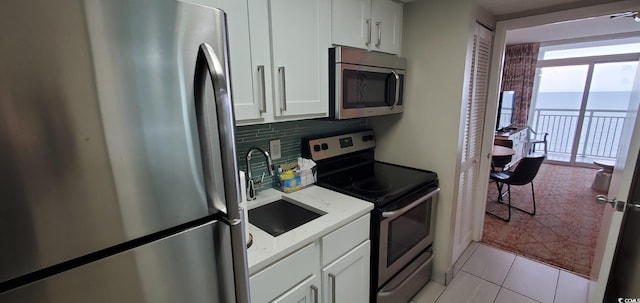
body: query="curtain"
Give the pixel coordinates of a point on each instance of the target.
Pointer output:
(518, 74)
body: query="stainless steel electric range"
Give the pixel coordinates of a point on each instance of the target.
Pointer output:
(402, 222)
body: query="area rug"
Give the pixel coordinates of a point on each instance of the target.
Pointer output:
(565, 229)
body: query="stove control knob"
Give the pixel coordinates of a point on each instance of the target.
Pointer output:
(368, 138)
(325, 146)
(316, 148)
(365, 138)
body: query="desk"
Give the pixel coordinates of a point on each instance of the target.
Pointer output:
(502, 151)
(501, 157)
(518, 138)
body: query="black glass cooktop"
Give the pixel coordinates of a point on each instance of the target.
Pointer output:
(378, 182)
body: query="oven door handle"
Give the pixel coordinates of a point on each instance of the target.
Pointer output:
(398, 212)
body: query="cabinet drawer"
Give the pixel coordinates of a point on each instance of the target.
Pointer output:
(344, 239)
(279, 277)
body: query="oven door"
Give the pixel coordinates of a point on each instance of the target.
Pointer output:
(405, 231)
(362, 91)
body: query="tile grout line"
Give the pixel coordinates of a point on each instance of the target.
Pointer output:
(501, 287)
(471, 255)
(505, 277)
(510, 267)
(556, 290)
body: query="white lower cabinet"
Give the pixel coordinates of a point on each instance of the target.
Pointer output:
(347, 279)
(307, 291)
(279, 279)
(344, 255)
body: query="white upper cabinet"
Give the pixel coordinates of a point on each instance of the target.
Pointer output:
(387, 26)
(288, 52)
(300, 41)
(351, 23)
(245, 104)
(370, 24)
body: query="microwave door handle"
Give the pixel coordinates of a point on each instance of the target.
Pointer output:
(399, 212)
(397, 99)
(207, 63)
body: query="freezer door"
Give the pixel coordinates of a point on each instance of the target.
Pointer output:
(184, 267)
(98, 136)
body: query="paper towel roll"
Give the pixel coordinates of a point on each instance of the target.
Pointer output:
(243, 205)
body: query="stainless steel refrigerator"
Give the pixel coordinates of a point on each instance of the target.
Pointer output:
(119, 178)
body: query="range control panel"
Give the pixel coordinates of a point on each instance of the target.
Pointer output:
(329, 147)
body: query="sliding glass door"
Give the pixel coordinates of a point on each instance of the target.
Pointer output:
(607, 103)
(581, 98)
(556, 110)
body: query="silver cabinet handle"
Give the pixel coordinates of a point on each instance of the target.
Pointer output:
(332, 280)
(395, 102)
(396, 213)
(368, 22)
(314, 289)
(283, 89)
(263, 95)
(379, 25)
(207, 63)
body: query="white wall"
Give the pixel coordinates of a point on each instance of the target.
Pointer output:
(426, 136)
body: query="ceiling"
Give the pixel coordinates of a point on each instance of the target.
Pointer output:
(600, 26)
(508, 9)
(505, 7)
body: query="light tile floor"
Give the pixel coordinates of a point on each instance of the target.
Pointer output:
(487, 274)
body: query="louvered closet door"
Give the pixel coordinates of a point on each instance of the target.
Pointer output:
(474, 121)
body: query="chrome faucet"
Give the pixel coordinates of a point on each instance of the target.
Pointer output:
(251, 190)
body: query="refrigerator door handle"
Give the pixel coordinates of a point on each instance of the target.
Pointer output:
(207, 63)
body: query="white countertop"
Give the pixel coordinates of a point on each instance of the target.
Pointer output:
(340, 209)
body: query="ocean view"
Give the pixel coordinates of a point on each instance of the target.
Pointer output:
(572, 100)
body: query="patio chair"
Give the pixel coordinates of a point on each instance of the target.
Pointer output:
(534, 138)
(524, 174)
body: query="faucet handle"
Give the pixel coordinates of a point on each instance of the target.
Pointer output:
(251, 190)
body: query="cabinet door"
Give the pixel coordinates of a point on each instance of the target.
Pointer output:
(261, 68)
(347, 279)
(305, 292)
(300, 41)
(387, 26)
(351, 23)
(245, 104)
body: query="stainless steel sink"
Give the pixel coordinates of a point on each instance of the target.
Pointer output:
(281, 216)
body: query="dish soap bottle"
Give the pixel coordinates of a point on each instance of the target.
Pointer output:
(289, 181)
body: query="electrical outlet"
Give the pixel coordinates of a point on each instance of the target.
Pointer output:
(274, 149)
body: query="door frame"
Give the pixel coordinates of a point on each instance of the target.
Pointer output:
(497, 61)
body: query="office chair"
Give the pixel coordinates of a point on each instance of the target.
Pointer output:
(524, 174)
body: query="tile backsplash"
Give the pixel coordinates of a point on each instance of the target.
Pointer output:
(290, 135)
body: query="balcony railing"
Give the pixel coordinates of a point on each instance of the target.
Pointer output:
(599, 138)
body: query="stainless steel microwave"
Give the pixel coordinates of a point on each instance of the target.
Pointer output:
(364, 83)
